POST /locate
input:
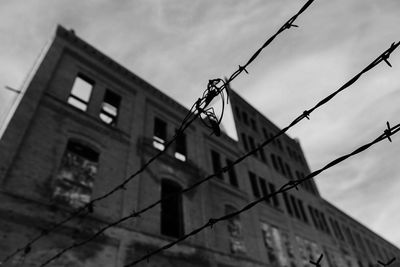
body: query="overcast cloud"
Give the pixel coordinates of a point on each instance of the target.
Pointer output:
(179, 45)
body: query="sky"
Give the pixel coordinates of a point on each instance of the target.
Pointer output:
(178, 45)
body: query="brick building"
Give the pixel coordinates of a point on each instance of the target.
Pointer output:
(84, 123)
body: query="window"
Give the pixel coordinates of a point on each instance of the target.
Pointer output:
(287, 203)
(253, 124)
(303, 212)
(262, 155)
(180, 147)
(295, 208)
(274, 163)
(313, 217)
(246, 146)
(237, 113)
(252, 144)
(74, 180)
(80, 93)
(110, 107)
(264, 190)
(171, 209)
(275, 199)
(216, 163)
(244, 117)
(160, 134)
(288, 171)
(232, 174)
(254, 186)
(282, 168)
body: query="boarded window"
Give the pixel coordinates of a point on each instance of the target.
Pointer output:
(171, 209)
(232, 174)
(235, 231)
(159, 134)
(110, 107)
(180, 147)
(74, 181)
(80, 93)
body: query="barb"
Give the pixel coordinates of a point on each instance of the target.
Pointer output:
(388, 132)
(388, 263)
(199, 108)
(318, 262)
(286, 187)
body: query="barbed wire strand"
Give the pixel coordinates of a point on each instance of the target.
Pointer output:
(196, 110)
(374, 63)
(286, 187)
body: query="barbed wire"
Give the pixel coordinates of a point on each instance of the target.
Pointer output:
(285, 187)
(305, 114)
(215, 87)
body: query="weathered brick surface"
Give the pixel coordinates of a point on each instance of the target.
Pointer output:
(33, 145)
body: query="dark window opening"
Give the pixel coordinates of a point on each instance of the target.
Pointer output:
(252, 145)
(264, 190)
(287, 203)
(265, 133)
(274, 163)
(294, 205)
(180, 147)
(216, 163)
(262, 155)
(160, 134)
(316, 224)
(246, 146)
(275, 199)
(245, 119)
(279, 143)
(74, 181)
(232, 174)
(80, 93)
(302, 211)
(253, 124)
(110, 107)
(171, 209)
(237, 113)
(325, 223)
(282, 167)
(254, 186)
(288, 171)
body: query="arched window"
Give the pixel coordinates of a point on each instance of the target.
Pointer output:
(171, 209)
(74, 180)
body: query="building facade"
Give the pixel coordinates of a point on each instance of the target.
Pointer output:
(84, 123)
